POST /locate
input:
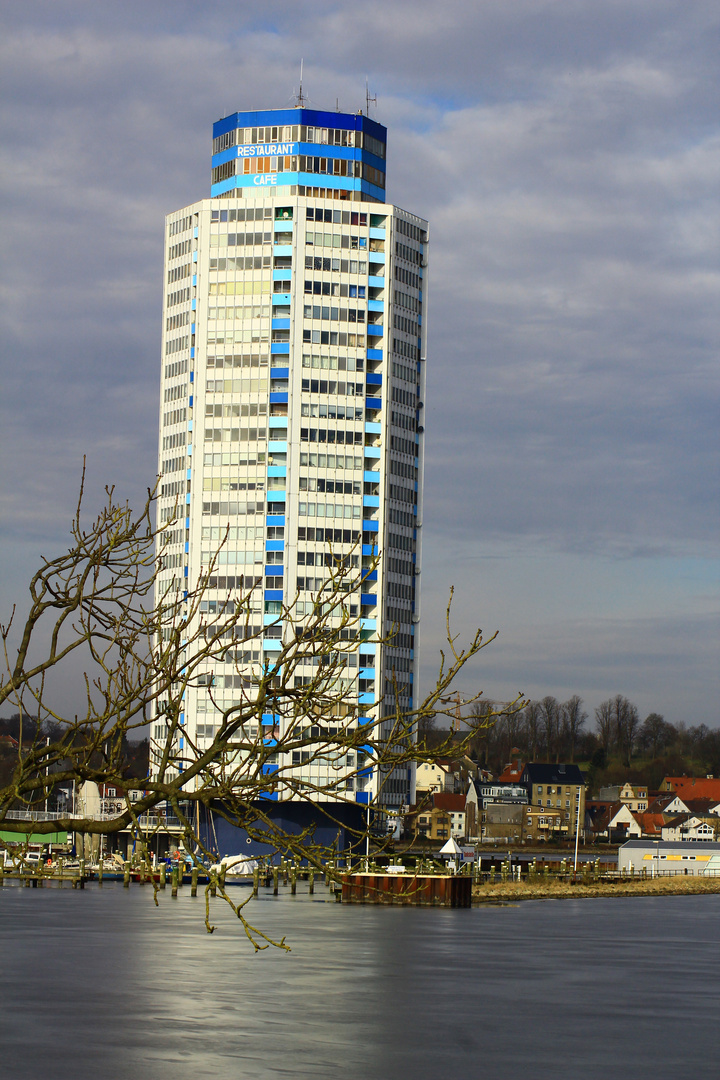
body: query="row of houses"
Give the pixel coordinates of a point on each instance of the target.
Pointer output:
(663, 816)
(543, 801)
(536, 801)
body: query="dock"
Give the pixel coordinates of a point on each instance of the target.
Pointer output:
(423, 890)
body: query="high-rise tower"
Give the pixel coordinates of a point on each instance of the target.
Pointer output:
(293, 373)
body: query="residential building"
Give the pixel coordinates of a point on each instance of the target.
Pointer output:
(693, 787)
(613, 822)
(544, 823)
(557, 787)
(292, 384)
(483, 794)
(651, 824)
(504, 821)
(634, 796)
(512, 773)
(691, 827)
(439, 817)
(437, 776)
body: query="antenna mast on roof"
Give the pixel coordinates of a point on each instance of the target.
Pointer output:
(300, 98)
(369, 100)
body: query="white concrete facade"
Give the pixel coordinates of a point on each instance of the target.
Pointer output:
(293, 375)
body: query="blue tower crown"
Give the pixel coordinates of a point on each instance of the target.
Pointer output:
(344, 152)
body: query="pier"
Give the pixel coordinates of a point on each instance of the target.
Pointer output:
(426, 890)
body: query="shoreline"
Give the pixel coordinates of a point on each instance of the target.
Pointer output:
(562, 890)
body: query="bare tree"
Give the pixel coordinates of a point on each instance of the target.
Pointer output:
(142, 658)
(550, 720)
(605, 724)
(618, 722)
(532, 717)
(655, 734)
(573, 719)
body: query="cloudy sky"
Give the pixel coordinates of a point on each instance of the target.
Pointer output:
(567, 155)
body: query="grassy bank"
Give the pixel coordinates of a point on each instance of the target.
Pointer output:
(559, 890)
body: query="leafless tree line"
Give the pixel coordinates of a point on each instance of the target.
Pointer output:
(550, 730)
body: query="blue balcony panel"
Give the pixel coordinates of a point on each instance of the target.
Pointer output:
(376, 257)
(282, 275)
(370, 526)
(376, 282)
(373, 378)
(280, 324)
(372, 427)
(282, 250)
(366, 599)
(277, 470)
(283, 225)
(368, 624)
(366, 699)
(377, 232)
(362, 797)
(369, 549)
(372, 451)
(276, 496)
(275, 570)
(273, 594)
(279, 397)
(277, 447)
(281, 298)
(373, 403)
(371, 477)
(271, 718)
(277, 421)
(371, 500)
(375, 330)
(274, 545)
(369, 575)
(374, 354)
(275, 519)
(376, 305)
(278, 348)
(279, 372)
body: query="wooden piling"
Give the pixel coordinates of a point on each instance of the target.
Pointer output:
(163, 876)
(311, 880)
(100, 872)
(213, 882)
(194, 881)
(256, 880)
(174, 881)
(126, 874)
(293, 882)
(275, 877)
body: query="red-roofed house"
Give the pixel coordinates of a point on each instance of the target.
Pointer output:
(512, 772)
(693, 787)
(651, 824)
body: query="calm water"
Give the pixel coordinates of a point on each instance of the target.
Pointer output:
(102, 984)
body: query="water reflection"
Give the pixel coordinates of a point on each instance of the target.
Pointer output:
(101, 984)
